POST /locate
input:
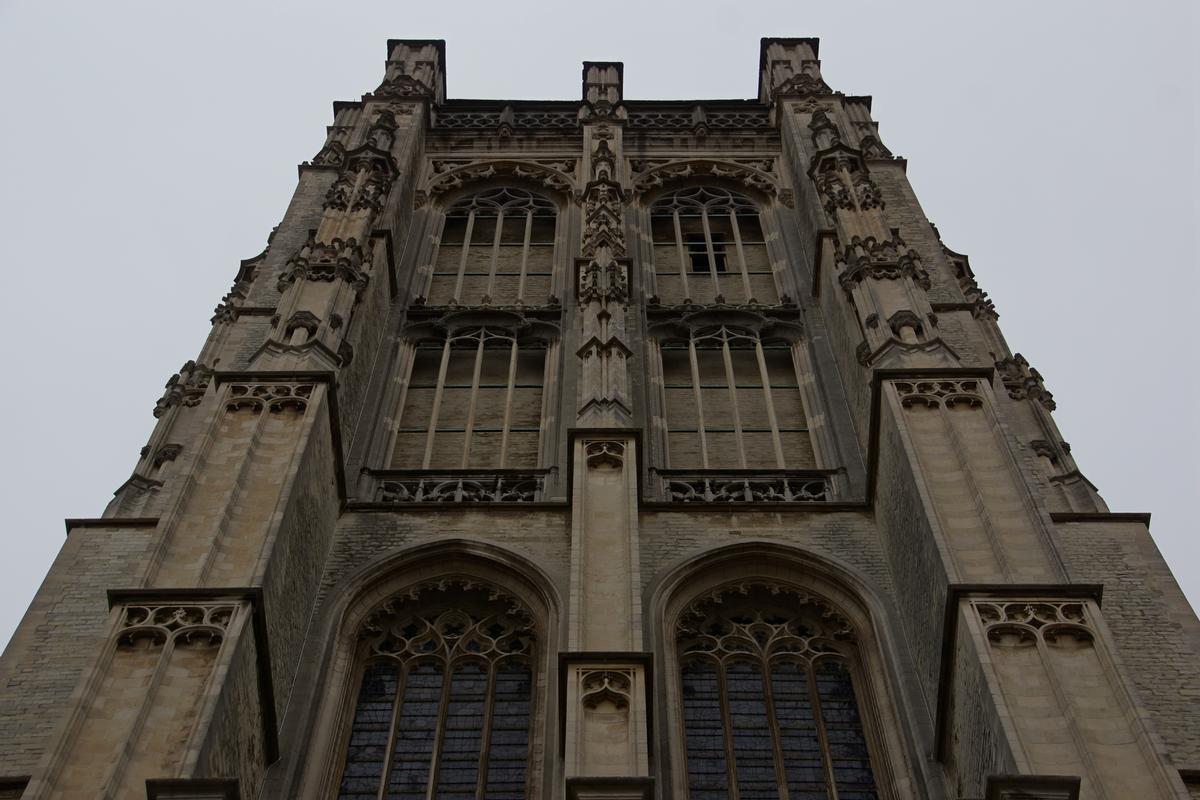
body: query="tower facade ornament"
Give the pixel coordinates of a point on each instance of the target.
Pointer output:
(604, 449)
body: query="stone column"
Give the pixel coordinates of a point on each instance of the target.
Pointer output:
(605, 674)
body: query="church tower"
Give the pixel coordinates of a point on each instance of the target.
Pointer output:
(605, 449)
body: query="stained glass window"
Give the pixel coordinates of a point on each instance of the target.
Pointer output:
(769, 705)
(444, 704)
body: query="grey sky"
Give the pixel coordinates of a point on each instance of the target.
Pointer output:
(146, 148)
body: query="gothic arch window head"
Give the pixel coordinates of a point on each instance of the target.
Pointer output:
(709, 247)
(445, 699)
(769, 678)
(496, 247)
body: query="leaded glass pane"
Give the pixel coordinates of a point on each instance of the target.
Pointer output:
(458, 772)
(508, 751)
(798, 740)
(750, 729)
(416, 729)
(704, 732)
(458, 653)
(765, 680)
(844, 732)
(369, 735)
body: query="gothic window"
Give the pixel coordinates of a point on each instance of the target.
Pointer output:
(445, 699)
(708, 243)
(496, 247)
(732, 401)
(473, 400)
(770, 708)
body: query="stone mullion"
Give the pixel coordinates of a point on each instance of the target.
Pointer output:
(731, 381)
(776, 733)
(439, 736)
(547, 431)
(462, 258)
(727, 727)
(698, 393)
(765, 376)
(485, 733)
(508, 401)
(402, 669)
(658, 401)
(712, 256)
(684, 258)
(741, 254)
(525, 255)
(491, 284)
(814, 700)
(405, 361)
(437, 404)
(473, 401)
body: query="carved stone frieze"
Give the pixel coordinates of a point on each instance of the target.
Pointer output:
(165, 453)
(766, 488)
(363, 183)
(473, 488)
(273, 397)
(934, 393)
(449, 618)
(613, 686)
(1023, 381)
(604, 454)
(185, 623)
(879, 260)
(843, 181)
(755, 173)
(333, 154)
(185, 388)
(327, 261)
(737, 619)
(447, 174)
(1027, 622)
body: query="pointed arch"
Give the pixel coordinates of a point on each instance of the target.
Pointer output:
(413, 623)
(831, 638)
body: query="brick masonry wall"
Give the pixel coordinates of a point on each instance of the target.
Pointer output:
(234, 742)
(59, 637)
(306, 527)
(1155, 628)
(542, 536)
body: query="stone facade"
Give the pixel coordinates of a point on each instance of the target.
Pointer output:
(548, 447)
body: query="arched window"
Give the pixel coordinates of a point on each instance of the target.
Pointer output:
(474, 396)
(708, 244)
(445, 701)
(770, 709)
(732, 400)
(496, 246)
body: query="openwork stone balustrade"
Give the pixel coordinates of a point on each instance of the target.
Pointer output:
(745, 486)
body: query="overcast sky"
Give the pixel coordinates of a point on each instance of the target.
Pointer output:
(146, 148)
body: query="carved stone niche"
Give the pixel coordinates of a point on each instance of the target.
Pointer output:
(1032, 787)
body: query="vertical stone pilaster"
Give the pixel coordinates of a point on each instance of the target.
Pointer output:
(605, 678)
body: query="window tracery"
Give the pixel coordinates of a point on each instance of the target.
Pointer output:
(445, 702)
(769, 703)
(496, 247)
(709, 247)
(731, 399)
(473, 399)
